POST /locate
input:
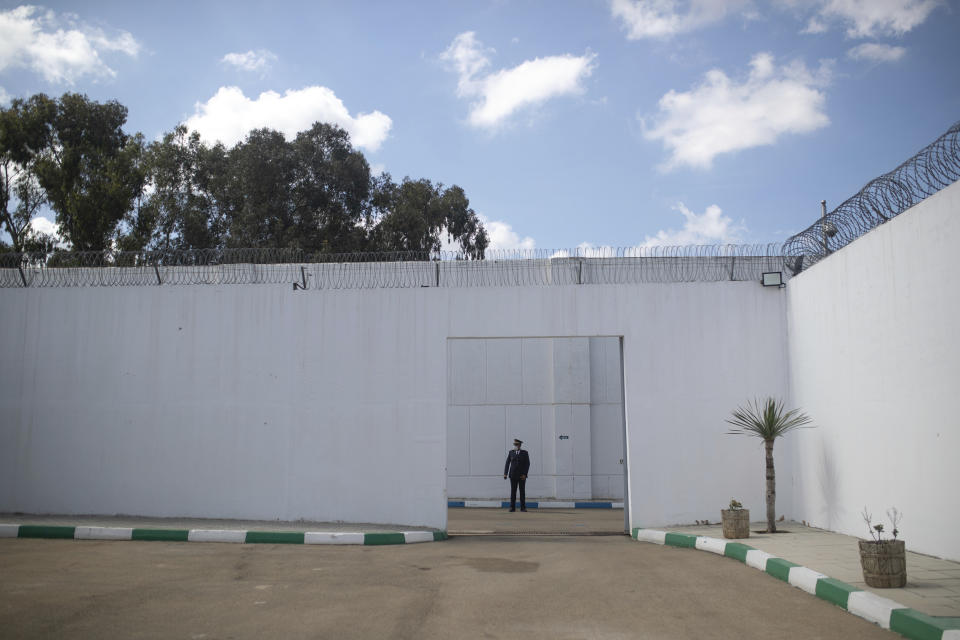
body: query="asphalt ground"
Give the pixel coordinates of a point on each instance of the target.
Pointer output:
(482, 586)
(481, 521)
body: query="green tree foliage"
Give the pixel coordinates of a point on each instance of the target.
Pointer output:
(23, 131)
(313, 193)
(90, 170)
(180, 209)
(110, 189)
(414, 216)
(331, 190)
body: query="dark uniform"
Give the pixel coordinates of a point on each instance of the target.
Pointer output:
(516, 468)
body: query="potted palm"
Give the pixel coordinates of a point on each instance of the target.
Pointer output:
(884, 562)
(736, 521)
(768, 421)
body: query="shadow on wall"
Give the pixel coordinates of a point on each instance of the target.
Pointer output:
(829, 487)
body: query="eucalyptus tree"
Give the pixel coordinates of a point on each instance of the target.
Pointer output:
(24, 129)
(179, 208)
(331, 190)
(416, 214)
(90, 170)
(768, 421)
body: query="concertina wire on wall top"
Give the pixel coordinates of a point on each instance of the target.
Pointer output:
(933, 168)
(411, 269)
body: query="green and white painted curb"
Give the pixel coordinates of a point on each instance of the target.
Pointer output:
(886, 613)
(219, 535)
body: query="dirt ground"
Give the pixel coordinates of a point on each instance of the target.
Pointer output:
(486, 586)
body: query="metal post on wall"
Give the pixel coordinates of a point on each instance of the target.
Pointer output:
(823, 225)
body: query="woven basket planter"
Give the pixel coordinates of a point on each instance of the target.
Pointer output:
(884, 564)
(736, 523)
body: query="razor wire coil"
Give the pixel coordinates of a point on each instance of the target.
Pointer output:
(401, 270)
(933, 168)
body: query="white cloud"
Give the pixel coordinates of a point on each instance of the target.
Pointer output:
(500, 94)
(665, 18)
(872, 18)
(815, 25)
(43, 225)
(877, 52)
(229, 116)
(504, 238)
(4, 96)
(721, 115)
(39, 41)
(710, 227)
(260, 60)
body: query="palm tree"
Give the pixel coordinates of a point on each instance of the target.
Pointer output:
(768, 421)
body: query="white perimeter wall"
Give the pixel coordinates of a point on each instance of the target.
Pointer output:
(264, 402)
(874, 335)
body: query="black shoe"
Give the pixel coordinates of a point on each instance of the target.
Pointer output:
(522, 509)
(512, 510)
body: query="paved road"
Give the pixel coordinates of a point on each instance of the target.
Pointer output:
(466, 587)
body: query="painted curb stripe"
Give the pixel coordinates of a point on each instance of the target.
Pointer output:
(758, 559)
(505, 504)
(161, 535)
(412, 537)
(780, 568)
(806, 579)
(217, 535)
(737, 551)
(274, 537)
(652, 535)
(713, 545)
(337, 537)
(683, 540)
(45, 531)
(834, 591)
(383, 538)
(920, 626)
(103, 533)
(872, 607)
(865, 604)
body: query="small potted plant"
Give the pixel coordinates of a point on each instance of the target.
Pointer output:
(736, 521)
(884, 562)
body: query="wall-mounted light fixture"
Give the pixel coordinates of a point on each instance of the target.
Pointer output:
(773, 279)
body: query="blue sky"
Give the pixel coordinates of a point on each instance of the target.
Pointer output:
(606, 123)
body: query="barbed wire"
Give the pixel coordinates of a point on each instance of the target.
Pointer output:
(934, 167)
(320, 271)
